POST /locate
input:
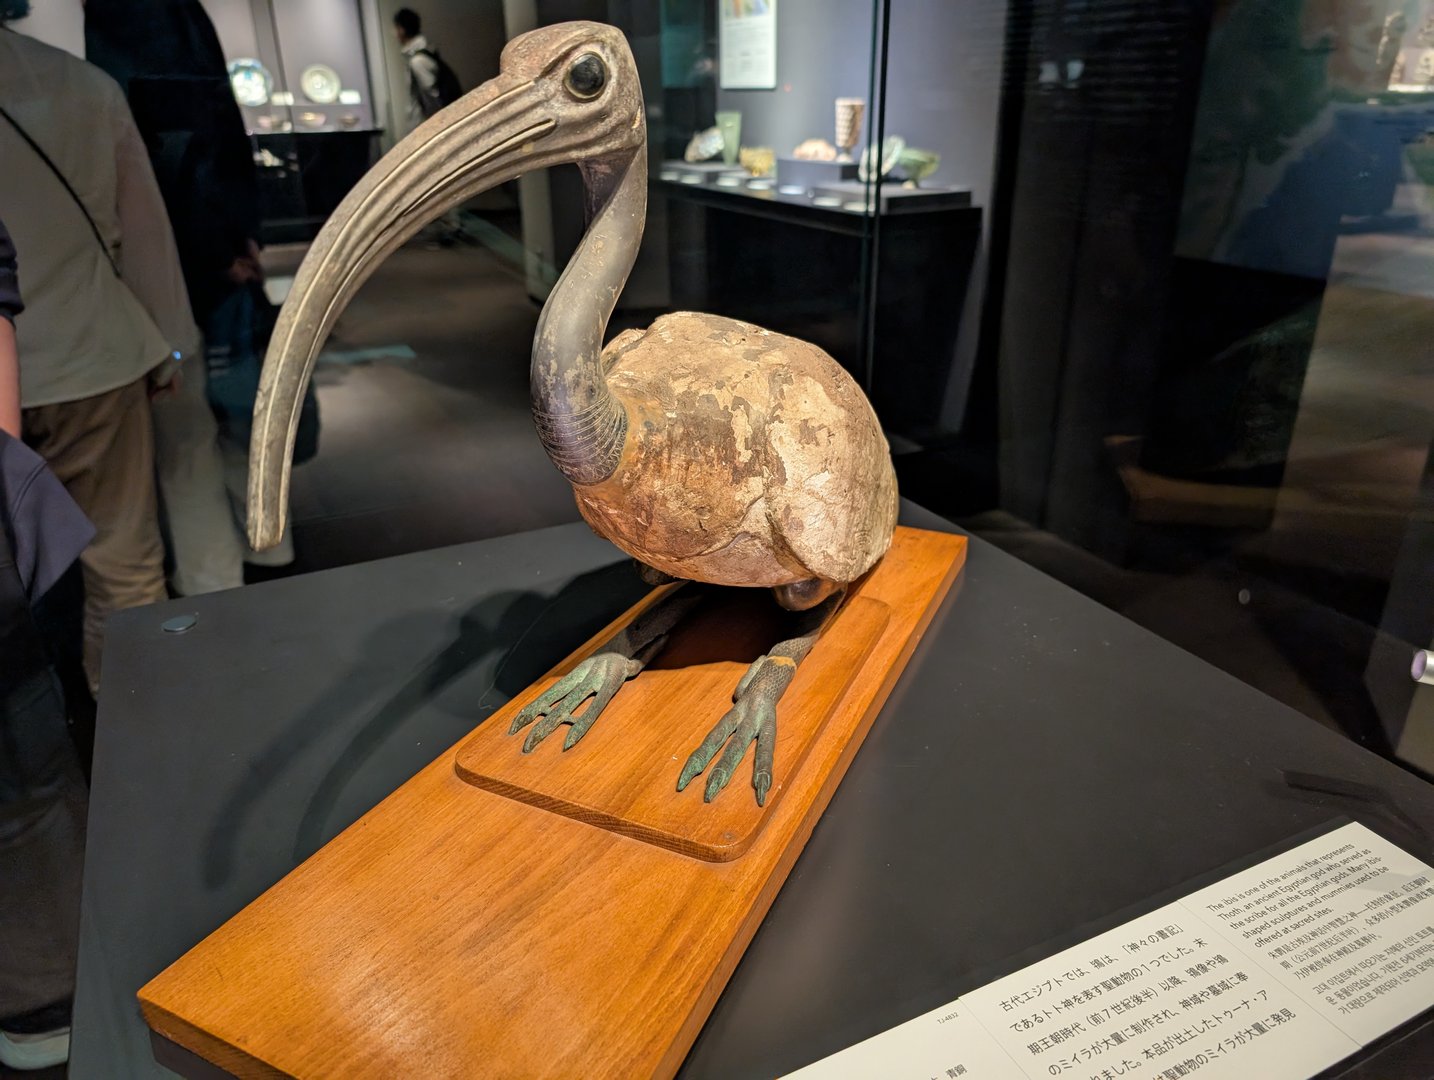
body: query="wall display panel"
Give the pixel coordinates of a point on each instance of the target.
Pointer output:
(748, 44)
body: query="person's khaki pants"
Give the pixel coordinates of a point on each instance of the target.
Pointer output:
(102, 450)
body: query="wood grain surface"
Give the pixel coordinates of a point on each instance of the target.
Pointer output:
(457, 932)
(623, 774)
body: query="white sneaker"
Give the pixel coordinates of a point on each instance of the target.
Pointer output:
(38, 1051)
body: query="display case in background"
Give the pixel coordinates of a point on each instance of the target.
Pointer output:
(843, 182)
(300, 73)
(826, 222)
(803, 226)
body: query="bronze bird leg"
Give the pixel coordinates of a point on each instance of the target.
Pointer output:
(597, 679)
(753, 716)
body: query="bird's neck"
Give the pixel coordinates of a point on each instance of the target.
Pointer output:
(582, 425)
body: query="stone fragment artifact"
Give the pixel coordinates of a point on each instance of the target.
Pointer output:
(704, 146)
(710, 450)
(815, 150)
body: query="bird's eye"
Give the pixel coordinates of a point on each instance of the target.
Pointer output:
(587, 76)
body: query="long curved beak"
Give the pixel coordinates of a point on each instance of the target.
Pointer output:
(480, 141)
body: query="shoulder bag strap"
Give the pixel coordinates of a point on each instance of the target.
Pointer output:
(99, 239)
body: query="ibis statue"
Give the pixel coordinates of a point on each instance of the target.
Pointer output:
(709, 449)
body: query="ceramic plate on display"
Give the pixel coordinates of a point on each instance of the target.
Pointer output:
(250, 81)
(320, 84)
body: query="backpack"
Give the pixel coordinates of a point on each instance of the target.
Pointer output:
(446, 89)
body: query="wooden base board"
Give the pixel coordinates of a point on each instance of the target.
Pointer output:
(555, 914)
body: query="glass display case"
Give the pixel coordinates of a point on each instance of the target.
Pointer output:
(1202, 393)
(1095, 274)
(1141, 294)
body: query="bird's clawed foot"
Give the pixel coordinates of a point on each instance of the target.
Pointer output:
(751, 719)
(595, 681)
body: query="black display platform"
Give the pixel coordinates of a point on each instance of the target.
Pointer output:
(1043, 768)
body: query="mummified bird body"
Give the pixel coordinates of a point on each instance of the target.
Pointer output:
(751, 458)
(709, 449)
